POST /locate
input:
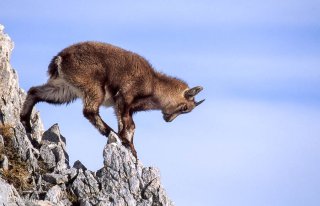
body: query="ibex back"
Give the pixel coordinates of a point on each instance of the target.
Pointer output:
(102, 74)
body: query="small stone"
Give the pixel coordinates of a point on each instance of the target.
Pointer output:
(85, 185)
(37, 127)
(53, 150)
(85, 202)
(1, 138)
(73, 173)
(55, 178)
(65, 202)
(39, 203)
(54, 195)
(78, 165)
(62, 158)
(48, 156)
(4, 162)
(9, 195)
(53, 134)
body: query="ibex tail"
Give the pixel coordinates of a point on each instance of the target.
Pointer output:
(54, 67)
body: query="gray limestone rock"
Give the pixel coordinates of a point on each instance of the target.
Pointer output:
(4, 162)
(24, 148)
(54, 195)
(48, 156)
(55, 179)
(39, 203)
(85, 185)
(72, 173)
(9, 195)
(1, 141)
(11, 96)
(11, 100)
(53, 135)
(78, 165)
(53, 149)
(127, 181)
(120, 176)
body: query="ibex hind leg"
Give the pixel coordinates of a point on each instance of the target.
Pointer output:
(54, 92)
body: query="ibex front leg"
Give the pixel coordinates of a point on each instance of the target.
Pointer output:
(91, 112)
(126, 127)
(127, 132)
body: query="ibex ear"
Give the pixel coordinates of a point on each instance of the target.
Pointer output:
(192, 92)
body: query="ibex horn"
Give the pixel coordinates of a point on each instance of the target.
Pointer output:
(198, 103)
(193, 92)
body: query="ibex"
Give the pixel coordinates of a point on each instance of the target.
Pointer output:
(103, 74)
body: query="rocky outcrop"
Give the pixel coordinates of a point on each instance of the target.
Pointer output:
(35, 169)
(9, 195)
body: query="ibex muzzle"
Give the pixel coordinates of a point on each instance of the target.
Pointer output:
(102, 74)
(184, 106)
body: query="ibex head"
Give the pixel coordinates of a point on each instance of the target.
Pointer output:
(183, 104)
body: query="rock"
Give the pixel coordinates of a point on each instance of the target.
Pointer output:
(1, 141)
(53, 149)
(11, 96)
(39, 203)
(25, 149)
(120, 177)
(53, 135)
(72, 173)
(44, 177)
(48, 156)
(127, 182)
(4, 162)
(11, 100)
(55, 178)
(78, 165)
(85, 185)
(9, 195)
(54, 195)
(152, 189)
(37, 126)
(85, 203)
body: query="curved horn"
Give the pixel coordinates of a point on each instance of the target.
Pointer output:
(198, 103)
(193, 92)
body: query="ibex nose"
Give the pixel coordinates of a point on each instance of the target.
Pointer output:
(169, 117)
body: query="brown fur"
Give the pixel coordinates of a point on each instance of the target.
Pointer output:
(100, 74)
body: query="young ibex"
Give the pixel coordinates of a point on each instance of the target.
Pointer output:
(102, 74)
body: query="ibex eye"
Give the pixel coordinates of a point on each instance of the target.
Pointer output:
(184, 108)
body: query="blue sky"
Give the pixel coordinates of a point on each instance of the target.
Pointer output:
(255, 141)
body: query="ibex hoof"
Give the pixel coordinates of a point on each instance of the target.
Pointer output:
(131, 148)
(114, 138)
(134, 153)
(26, 126)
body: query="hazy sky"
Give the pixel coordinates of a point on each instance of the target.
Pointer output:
(255, 141)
